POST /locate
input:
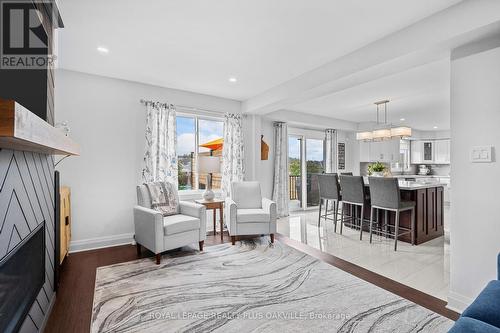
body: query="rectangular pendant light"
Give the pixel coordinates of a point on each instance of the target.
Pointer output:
(380, 134)
(401, 132)
(364, 136)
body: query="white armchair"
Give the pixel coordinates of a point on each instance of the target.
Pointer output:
(158, 233)
(247, 213)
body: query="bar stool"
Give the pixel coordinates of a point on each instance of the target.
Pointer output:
(353, 193)
(329, 191)
(385, 195)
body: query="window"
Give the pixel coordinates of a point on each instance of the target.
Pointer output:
(197, 137)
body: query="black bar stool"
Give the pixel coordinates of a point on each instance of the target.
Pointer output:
(353, 193)
(385, 195)
(329, 191)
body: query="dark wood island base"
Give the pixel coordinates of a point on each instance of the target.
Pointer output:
(429, 217)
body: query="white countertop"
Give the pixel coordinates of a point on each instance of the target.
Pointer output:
(414, 185)
(419, 176)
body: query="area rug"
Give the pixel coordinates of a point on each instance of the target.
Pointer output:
(253, 286)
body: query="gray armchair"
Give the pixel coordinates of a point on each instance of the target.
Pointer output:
(248, 213)
(160, 233)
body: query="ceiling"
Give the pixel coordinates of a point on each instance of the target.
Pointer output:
(420, 95)
(196, 45)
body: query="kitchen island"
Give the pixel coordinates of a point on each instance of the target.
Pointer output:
(429, 219)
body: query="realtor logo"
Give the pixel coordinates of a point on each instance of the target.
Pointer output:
(24, 42)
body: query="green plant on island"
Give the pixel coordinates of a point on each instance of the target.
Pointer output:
(376, 167)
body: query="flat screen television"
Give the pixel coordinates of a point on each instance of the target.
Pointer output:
(22, 275)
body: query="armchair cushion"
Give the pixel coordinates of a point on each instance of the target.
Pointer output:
(252, 215)
(486, 307)
(175, 224)
(246, 194)
(470, 325)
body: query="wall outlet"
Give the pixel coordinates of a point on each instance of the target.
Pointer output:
(481, 154)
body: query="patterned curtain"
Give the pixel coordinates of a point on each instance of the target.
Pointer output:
(160, 156)
(330, 151)
(232, 152)
(280, 189)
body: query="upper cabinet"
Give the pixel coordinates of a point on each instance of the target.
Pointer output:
(442, 151)
(430, 152)
(379, 151)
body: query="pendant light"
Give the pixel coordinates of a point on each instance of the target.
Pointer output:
(383, 131)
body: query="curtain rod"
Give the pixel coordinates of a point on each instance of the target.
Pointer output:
(188, 108)
(183, 107)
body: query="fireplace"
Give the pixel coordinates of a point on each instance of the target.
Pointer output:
(22, 275)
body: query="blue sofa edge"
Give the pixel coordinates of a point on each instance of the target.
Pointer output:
(482, 316)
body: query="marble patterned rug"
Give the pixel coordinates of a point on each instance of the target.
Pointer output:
(250, 287)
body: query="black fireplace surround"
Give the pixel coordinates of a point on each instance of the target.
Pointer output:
(22, 275)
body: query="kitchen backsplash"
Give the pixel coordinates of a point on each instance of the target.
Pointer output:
(436, 169)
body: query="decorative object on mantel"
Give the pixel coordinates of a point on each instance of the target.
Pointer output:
(376, 169)
(264, 149)
(209, 165)
(20, 129)
(384, 131)
(63, 126)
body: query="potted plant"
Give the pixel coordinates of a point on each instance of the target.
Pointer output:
(376, 169)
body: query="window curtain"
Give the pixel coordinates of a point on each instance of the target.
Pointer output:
(160, 156)
(232, 152)
(280, 188)
(330, 151)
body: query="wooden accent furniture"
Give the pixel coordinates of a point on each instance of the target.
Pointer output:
(214, 205)
(65, 222)
(21, 129)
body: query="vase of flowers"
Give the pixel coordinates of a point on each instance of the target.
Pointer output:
(376, 169)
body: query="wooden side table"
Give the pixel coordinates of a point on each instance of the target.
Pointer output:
(214, 205)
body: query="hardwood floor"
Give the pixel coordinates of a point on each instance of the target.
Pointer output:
(73, 307)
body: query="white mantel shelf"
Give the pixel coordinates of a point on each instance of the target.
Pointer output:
(21, 129)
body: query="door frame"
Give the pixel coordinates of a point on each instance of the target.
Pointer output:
(304, 134)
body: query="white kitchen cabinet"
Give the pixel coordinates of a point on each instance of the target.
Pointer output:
(381, 151)
(364, 151)
(376, 154)
(416, 152)
(442, 151)
(430, 152)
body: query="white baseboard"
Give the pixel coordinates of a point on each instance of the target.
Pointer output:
(48, 312)
(457, 302)
(100, 242)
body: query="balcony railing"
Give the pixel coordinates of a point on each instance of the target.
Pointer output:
(294, 187)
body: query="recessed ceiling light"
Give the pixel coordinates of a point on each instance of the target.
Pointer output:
(402, 119)
(435, 127)
(103, 50)
(232, 79)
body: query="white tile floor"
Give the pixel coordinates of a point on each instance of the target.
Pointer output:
(424, 267)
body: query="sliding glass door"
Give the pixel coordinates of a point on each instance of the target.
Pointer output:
(305, 160)
(315, 164)
(295, 172)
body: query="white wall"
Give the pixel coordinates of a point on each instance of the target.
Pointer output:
(351, 151)
(255, 168)
(475, 116)
(108, 121)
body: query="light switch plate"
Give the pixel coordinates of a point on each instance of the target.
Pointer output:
(481, 154)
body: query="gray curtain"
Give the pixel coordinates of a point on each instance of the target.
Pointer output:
(232, 152)
(160, 156)
(330, 151)
(280, 189)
